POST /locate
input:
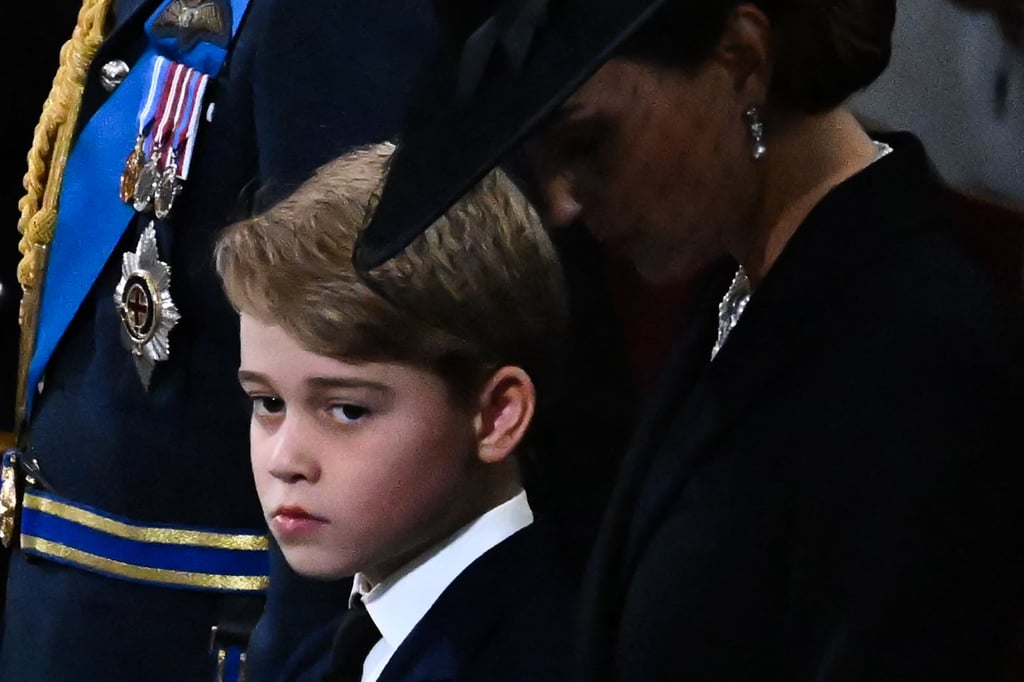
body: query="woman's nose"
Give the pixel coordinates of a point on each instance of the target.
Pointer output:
(561, 205)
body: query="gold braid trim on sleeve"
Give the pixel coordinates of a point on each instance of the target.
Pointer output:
(51, 144)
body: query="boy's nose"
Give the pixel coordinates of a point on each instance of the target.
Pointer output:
(291, 460)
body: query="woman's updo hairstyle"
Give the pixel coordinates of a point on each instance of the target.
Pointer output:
(826, 50)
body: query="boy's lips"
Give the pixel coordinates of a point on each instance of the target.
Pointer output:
(295, 512)
(292, 523)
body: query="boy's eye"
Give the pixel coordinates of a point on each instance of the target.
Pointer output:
(263, 405)
(347, 412)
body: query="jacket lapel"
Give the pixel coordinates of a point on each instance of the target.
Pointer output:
(765, 343)
(457, 626)
(126, 41)
(606, 574)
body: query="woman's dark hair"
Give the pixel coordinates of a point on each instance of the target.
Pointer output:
(827, 49)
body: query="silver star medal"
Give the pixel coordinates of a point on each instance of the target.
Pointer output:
(143, 298)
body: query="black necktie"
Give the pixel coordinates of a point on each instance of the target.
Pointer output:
(352, 642)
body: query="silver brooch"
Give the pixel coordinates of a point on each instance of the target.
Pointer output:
(731, 307)
(143, 298)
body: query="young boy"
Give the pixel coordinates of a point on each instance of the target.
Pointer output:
(389, 419)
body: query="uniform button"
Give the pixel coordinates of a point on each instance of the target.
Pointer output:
(112, 73)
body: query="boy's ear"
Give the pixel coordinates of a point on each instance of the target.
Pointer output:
(507, 403)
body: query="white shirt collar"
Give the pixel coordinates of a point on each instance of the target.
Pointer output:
(400, 601)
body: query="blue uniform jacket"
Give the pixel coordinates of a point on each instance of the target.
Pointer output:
(304, 81)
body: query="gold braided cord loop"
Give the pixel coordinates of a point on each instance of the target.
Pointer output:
(52, 139)
(51, 144)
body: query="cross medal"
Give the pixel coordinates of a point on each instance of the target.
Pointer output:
(143, 298)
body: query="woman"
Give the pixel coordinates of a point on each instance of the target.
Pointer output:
(826, 485)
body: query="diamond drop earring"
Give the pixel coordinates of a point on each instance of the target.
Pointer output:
(756, 129)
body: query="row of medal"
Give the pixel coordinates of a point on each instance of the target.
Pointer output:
(153, 174)
(167, 120)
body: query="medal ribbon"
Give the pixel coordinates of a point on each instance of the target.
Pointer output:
(167, 88)
(147, 111)
(175, 111)
(185, 131)
(168, 112)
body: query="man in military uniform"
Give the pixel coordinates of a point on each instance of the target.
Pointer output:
(140, 549)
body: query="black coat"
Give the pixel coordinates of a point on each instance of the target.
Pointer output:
(837, 496)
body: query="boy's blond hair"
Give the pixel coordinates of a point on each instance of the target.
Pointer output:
(482, 288)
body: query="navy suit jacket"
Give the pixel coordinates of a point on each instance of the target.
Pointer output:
(838, 495)
(508, 617)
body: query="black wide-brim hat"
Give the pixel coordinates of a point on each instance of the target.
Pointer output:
(500, 68)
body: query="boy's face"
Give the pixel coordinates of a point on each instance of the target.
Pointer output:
(358, 466)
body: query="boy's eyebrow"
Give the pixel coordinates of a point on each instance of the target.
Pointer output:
(247, 375)
(348, 382)
(321, 382)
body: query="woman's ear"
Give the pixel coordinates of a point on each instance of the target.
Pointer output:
(505, 410)
(746, 50)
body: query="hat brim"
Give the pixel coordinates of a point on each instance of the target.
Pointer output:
(451, 140)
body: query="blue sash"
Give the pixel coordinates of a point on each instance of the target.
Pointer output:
(91, 218)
